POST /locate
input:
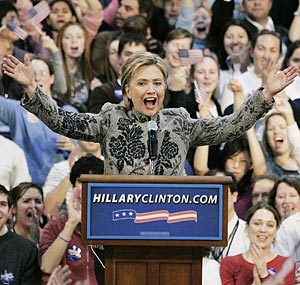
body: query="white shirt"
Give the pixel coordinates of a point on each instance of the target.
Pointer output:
(238, 241)
(13, 164)
(225, 77)
(269, 26)
(287, 242)
(56, 175)
(249, 81)
(210, 272)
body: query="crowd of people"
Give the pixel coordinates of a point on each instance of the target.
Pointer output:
(77, 90)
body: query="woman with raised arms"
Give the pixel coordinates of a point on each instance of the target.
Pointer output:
(122, 129)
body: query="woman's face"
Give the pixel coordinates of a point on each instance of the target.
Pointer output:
(201, 23)
(73, 41)
(236, 41)
(42, 75)
(29, 207)
(238, 164)
(277, 135)
(114, 58)
(172, 50)
(147, 90)
(287, 200)
(207, 75)
(295, 58)
(60, 15)
(262, 228)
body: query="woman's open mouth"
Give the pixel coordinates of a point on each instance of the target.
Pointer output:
(150, 102)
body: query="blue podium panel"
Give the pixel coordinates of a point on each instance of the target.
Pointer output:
(154, 211)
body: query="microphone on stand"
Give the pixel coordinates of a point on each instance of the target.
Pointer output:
(152, 139)
(152, 144)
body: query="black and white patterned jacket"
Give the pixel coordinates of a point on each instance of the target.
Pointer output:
(123, 133)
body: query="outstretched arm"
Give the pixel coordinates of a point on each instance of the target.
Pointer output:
(227, 128)
(82, 126)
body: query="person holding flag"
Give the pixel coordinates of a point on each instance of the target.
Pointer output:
(30, 18)
(10, 33)
(200, 102)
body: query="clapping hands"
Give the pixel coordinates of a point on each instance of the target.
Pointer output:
(60, 276)
(256, 255)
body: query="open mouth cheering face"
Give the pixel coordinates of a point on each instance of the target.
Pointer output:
(146, 90)
(277, 135)
(73, 41)
(29, 207)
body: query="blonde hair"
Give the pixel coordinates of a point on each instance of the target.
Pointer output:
(133, 63)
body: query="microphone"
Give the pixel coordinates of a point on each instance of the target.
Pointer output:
(152, 139)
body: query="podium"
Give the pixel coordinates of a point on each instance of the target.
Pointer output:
(160, 247)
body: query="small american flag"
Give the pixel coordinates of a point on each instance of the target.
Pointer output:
(38, 13)
(191, 56)
(161, 215)
(18, 31)
(200, 94)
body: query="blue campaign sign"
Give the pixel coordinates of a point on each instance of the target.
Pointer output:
(154, 211)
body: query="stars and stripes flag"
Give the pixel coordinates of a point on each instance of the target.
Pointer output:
(18, 31)
(200, 93)
(191, 56)
(39, 12)
(161, 215)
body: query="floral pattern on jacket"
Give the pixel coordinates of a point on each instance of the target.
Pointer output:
(123, 133)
